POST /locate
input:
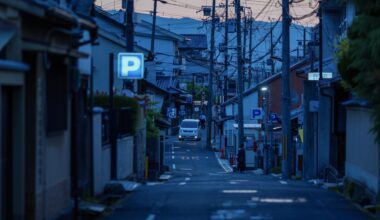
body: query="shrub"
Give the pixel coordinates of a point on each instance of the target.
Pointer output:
(127, 109)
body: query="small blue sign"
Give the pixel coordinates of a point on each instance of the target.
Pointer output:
(130, 65)
(273, 116)
(171, 112)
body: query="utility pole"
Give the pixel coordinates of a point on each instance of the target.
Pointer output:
(210, 77)
(244, 49)
(111, 112)
(153, 29)
(250, 52)
(239, 82)
(129, 28)
(153, 37)
(286, 129)
(320, 41)
(266, 148)
(271, 50)
(304, 43)
(128, 5)
(225, 54)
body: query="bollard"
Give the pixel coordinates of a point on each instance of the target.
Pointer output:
(222, 154)
(232, 159)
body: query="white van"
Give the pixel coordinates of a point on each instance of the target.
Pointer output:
(189, 129)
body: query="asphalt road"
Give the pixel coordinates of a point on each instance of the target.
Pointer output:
(201, 189)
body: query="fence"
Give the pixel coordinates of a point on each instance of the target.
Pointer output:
(124, 124)
(105, 127)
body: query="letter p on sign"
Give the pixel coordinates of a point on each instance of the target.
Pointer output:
(131, 66)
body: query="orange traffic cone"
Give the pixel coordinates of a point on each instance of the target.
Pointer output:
(222, 156)
(232, 159)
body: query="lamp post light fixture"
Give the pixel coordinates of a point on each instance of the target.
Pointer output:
(264, 89)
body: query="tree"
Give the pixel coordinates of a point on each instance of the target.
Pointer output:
(359, 57)
(197, 91)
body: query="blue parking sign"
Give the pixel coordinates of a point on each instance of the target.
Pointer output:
(273, 116)
(130, 65)
(256, 113)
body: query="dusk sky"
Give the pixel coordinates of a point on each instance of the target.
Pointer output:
(184, 8)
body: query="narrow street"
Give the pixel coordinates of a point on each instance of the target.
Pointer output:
(201, 189)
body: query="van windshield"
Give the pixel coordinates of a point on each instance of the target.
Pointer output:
(189, 124)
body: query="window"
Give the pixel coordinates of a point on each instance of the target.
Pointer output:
(57, 95)
(189, 124)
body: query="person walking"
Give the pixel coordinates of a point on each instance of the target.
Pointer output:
(241, 158)
(202, 118)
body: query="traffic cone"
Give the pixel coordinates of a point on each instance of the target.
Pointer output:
(222, 156)
(232, 160)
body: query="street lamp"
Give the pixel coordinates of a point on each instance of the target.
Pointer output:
(264, 89)
(265, 92)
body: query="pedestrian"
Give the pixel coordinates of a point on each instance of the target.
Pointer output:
(202, 118)
(241, 158)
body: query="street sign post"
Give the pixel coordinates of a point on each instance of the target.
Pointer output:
(171, 112)
(314, 76)
(130, 65)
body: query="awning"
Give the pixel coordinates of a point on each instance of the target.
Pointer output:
(14, 66)
(35, 46)
(6, 34)
(296, 112)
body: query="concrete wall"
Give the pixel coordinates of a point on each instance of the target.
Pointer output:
(124, 157)
(101, 157)
(249, 102)
(101, 64)
(362, 154)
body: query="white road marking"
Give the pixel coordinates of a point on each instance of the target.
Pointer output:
(187, 179)
(173, 166)
(225, 167)
(259, 217)
(206, 157)
(241, 180)
(186, 169)
(172, 152)
(283, 182)
(182, 183)
(188, 150)
(153, 183)
(173, 157)
(229, 214)
(151, 217)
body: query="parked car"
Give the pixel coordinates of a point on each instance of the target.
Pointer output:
(189, 129)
